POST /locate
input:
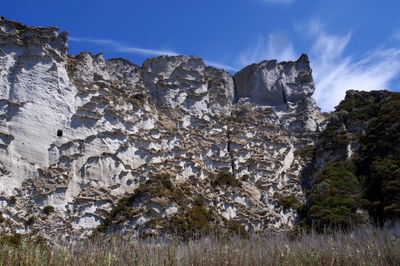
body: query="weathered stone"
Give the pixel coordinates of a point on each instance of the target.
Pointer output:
(275, 84)
(80, 132)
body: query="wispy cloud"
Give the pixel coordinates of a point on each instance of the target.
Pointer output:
(220, 65)
(275, 46)
(335, 73)
(117, 46)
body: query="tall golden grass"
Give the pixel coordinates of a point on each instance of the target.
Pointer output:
(363, 247)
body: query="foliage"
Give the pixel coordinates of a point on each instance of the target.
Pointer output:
(335, 198)
(31, 220)
(196, 221)
(11, 240)
(371, 179)
(379, 161)
(225, 178)
(48, 210)
(307, 153)
(236, 228)
(382, 189)
(158, 186)
(287, 202)
(16, 240)
(199, 201)
(193, 219)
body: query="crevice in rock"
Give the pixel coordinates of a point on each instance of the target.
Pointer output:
(284, 97)
(236, 96)
(230, 151)
(11, 80)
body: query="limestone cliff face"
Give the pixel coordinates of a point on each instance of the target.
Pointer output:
(79, 133)
(276, 84)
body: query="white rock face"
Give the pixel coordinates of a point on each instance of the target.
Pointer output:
(272, 83)
(80, 132)
(186, 82)
(36, 98)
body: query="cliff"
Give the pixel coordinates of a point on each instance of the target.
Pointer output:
(90, 143)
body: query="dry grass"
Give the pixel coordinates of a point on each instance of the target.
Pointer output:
(366, 247)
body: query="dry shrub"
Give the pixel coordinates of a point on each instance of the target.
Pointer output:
(363, 247)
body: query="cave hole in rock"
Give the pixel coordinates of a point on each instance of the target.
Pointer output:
(59, 133)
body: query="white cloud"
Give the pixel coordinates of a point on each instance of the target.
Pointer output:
(334, 73)
(274, 47)
(116, 46)
(122, 48)
(220, 65)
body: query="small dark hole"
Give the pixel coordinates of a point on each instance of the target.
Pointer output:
(59, 133)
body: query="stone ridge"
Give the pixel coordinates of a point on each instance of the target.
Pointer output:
(79, 133)
(273, 83)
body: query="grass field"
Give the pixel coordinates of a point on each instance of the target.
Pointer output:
(363, 247)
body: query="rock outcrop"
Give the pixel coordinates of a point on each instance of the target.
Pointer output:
(81, 133)
(276, 84)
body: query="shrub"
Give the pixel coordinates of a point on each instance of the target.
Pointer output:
(196, 221)
(11, 240)
(13, 200)
(224, 178)
(245, 177)
(335, 199)
(48, 210)
(307, 153)
(158, 186)
(382, 190)
(288, 201)
(31, 220)
(235, 227)
(372, 120)
(199, 201)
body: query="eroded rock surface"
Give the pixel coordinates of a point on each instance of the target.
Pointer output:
(78, 133)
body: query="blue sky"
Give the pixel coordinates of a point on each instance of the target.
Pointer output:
(352, 44)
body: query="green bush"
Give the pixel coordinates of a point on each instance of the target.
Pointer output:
(307, 153)
(31, 220)
(335, 199)
(224, 178)
(197, 220)
(288, 202)
(199, 201)
(48, 210)
(235, 227)
(382, 189)
(11, 240)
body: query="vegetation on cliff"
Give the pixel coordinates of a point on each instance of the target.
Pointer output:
(368, 177)
(193, 216)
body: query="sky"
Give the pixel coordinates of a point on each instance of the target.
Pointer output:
(352, 44)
